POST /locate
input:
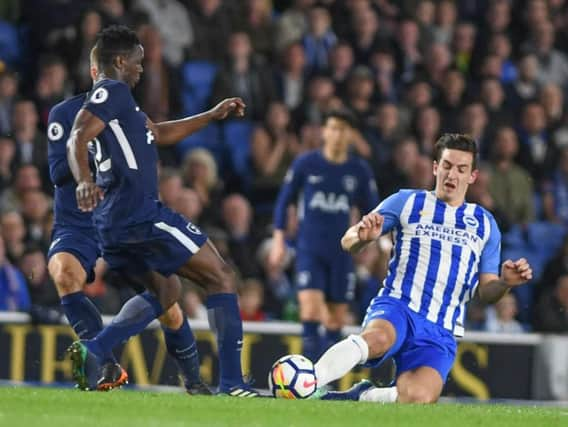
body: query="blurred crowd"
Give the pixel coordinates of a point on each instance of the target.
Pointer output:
(409, 70)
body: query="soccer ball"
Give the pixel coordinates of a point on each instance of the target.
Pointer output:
(292, 377)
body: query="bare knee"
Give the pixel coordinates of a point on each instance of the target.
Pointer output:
(222, 280)
(416, 393)
(68, 276)
(311, 305)
(379, 341)
(172, 318)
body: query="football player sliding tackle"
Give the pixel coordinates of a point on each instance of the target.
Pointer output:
(445, 252)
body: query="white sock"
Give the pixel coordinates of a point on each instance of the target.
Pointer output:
(383, 395)
(340, 359)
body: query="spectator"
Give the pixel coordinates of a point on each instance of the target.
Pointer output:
(500, 46)
(14, 294)
(273, 146)
(256, 21)
(383, 133)
(526, 86)
(551, 313)
(170, 186)
(35, 210)
(555, 192)
(552, 100)
(237, 218)
(446, 16)
(421, 176)
(396, 173)
(365, 38)
(210, 21)
(114, 11)
(320, 94)
(291, 77)
(31, 143)
(192, 303)
(436, 62)
(189, 205)
(319, 39)
(7, 161)
(341, 63)
(200, 174)
(493, 98)
(8, 92)
(463, 45)
(41, 289)
(13, 231)
(408, 54)
(501, 318)
(293, 23)
(244, 76)
(383, 64)
(537, 154)
(51, 88)
(553, 64)
(510, 185)
(474, 122)
(360, 89)
(250, 301)
(171, 18)
(416, 96)
(427, 129)
(26, 179)
(451, 99)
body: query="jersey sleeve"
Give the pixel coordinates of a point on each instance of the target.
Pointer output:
(58, 129)
(491, 254)
(293, 181)
(109, 100)
(368, 193)
(390, 209)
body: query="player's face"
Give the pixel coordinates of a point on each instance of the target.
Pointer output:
(454, 172)
(132, 66)
(336, 135)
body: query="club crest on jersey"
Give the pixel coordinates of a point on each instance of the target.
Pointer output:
(55, 131)
(193, 228)
(303, 278)
(470, 221)
(99, 96)
(349, 183)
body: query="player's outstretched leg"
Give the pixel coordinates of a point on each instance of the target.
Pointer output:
(181, 345)
(364, 391)
(69, 277)
(208, 269)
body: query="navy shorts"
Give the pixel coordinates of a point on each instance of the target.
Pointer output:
(163, 245)
(419, 342)
(82, 243)
(333, 275)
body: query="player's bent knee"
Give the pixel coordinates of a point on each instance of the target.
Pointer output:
(416, 393)
(172, 318)
(378, 341)
(68, 277)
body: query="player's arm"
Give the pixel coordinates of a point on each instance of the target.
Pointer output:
(173, 131)
(376, 223)
(492, 286)
(57, 135)
(86, 127)
(288, 192)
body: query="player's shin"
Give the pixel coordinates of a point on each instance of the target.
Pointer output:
(311, 340)
(340, 359)
(84, 318)
(134, 316)
(182, 347)
(225, 321)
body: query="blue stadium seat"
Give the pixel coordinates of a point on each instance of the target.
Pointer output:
(237, 138)
(198, 77)
(9, 43)
(545, 237)
(209, 137)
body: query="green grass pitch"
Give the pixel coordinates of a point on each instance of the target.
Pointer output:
(44, 407)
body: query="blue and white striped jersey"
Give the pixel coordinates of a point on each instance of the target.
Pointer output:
(439, 252)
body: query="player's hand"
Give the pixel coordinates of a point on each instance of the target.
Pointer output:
(370, 227)
(88, 195)
(276, 255)
(228, 106)
(515, 273)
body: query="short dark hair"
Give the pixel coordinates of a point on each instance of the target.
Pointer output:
(342, 114)
(112, 41)
(456, 141)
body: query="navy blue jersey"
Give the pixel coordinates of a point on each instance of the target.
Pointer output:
(325, 193)
(60, 122)
(126, 158)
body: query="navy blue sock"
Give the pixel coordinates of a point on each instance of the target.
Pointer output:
(311, 340)
(182, 347)
(331, 337)
(134, 316)
(84, 318)
(225, 321)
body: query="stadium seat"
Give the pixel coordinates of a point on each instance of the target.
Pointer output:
(236, 136)
(209, 137)
(198, 77)
(9, 43)
(545, 237)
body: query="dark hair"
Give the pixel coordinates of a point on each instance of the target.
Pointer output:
(456, 141)
(112, 41)
(343, 114)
